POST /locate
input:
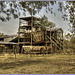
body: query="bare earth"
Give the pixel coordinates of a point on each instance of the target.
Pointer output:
(37, 64)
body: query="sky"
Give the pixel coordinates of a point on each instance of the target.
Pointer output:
(11, 27)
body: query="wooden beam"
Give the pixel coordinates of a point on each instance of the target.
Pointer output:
(31, 27)
(51, 43)
(19, 33)
(15, 51)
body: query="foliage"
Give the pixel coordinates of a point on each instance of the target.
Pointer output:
(73, 40)
(44, 21)
(73, 43)
(70, 42)
(70, 7)
(68, 36)
(66, 43)
(17, 8)
(1, 34)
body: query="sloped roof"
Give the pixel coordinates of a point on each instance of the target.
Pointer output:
(29, 18)
(55, 29)
(3, 43)
(6, 36)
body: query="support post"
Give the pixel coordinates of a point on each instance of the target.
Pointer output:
(46, 40)
(14, 48)
(19, 34)
(51, 43)
(31, 27)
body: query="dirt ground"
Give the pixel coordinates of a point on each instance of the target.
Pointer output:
(37, 64)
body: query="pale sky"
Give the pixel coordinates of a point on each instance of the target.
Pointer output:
(11, 27)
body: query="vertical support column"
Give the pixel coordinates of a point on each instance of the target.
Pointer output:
(46, 40)
(51, 42)
(31, 32)
(19, 34)
(6, 49)
(62, 39)
(31, 27)
(24, 36)
(15, 51)
(56, 40)
(14, 48)
(62, 42)
(59, 43)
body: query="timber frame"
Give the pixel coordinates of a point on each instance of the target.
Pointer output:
(31, 33)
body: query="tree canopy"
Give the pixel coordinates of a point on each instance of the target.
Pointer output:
(9, 8)
(1, 34)
(46, 23)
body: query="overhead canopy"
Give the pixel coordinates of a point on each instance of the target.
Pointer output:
(29, 18)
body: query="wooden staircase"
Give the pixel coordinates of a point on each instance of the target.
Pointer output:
(55, 42)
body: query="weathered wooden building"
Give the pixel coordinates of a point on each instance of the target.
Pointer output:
(6, 45)
(7, 38)
(32, 36)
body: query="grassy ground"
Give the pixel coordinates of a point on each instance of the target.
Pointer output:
(47, 64)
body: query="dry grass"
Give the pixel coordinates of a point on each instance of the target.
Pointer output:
(48, 64)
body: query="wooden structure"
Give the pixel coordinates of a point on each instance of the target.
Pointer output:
(31, 34)
(6, 47)
(7, 38)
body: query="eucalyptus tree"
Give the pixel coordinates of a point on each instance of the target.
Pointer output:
(46, 23)
(14, 8)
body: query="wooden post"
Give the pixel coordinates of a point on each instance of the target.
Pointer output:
(55, 39)
(60, 45)
(19, 34)
(31, 27)
(6, 49)
(31, 38)
(24, 37)
(46, 40)
(62, 42)
(30, 54)
(14, 48)
(51, 43)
